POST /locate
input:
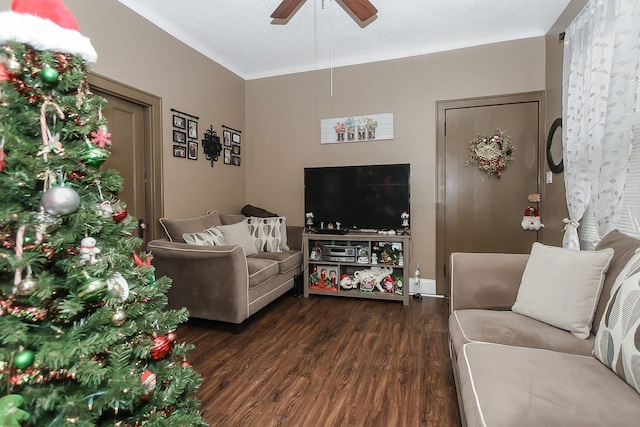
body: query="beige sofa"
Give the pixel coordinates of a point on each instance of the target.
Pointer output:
(513, 370)
(227, 282)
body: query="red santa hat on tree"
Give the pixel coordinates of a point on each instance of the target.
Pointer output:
(45, 25)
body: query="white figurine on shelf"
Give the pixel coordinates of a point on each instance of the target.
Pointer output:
(405, 219)
(309, 216)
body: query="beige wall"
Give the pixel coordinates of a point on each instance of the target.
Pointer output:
(134, 52)
(283, 122)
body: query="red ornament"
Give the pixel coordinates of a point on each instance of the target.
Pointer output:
(120, 215)
(161, 347)
(101, 137)
(185, 363)
(148, 380)
(171, 336)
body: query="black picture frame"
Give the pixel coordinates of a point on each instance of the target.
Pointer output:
(179, 151)
(235, 138)
(235, 150)
(193, 150)
(192, 129)
(235, 160)
(179, 137)
(227, 156)
(179, 122)
(226, 138)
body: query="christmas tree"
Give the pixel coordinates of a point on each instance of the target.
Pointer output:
(84, 337)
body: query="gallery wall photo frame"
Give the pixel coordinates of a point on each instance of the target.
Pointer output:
(179, 136)
(235, 150)
(179, 122)
(235, 160)
(227, 156)
(192, 153)
(192, 127)
(179, 151)
(235, 138)
(226, 138)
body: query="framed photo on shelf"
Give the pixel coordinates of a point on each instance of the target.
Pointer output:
(193, 129)
(193, 150)
(226, 137)
(179, 137)
(235, 138)
(227, 156)
(326, 277)
(179, 122)
(179, 151)
(235, 150)
(235, 160)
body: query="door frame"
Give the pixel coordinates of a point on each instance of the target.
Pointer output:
(443, 285)
(152, 106)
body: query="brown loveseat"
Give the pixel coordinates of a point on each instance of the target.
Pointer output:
(513, 370)
(222, 282)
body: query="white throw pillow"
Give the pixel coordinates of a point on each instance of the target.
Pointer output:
(209, 237)
(238, 234)
(618, 335)
(268, 233)
(561, 287)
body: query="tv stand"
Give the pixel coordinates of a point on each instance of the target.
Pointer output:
(328, 259)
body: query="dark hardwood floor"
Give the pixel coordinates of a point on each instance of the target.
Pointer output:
(323, 361)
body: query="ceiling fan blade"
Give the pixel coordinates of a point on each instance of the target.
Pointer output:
(363, 9)
(286, 8)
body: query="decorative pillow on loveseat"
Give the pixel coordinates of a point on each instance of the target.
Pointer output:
(209, 237)
(561, 287)
(618, 338)
(175, 228)
(269, 234)
(238, 234)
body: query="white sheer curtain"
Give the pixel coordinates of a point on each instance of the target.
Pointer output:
(601, 61)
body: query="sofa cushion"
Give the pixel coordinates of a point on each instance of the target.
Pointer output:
(286, 260)
(238, 234)
(561, 287)
(175, 228)
(509, 328)
(261, 270)
(618, 337)
(624, 247)
(269, 234)
(209, 237)
(505, 386)
(228, 219)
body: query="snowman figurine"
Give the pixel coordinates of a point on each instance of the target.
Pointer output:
(88, 250)
(531, 219)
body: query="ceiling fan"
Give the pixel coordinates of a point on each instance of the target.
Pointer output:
(362, 9)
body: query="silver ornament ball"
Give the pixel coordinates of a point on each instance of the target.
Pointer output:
(60, 200)
(118, 317)
(26, 286)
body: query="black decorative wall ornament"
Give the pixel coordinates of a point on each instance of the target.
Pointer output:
(211, 144)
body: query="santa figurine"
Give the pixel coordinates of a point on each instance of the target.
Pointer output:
(531, 219)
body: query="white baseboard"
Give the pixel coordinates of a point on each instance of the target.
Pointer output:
(426, 288)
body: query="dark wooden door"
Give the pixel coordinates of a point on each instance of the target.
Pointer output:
(478, 212)
(126, 124)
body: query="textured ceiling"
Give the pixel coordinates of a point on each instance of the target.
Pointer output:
(240, 35)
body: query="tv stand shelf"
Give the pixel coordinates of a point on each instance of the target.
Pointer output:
(328, 258)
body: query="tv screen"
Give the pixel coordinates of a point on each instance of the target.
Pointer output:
(359, 197)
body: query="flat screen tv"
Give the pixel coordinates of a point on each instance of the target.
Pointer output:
(359, 197)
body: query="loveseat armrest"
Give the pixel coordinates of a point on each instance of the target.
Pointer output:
(294, 237)
(210, 281)
(485, 280)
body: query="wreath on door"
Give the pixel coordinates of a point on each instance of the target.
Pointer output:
(491, 153)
